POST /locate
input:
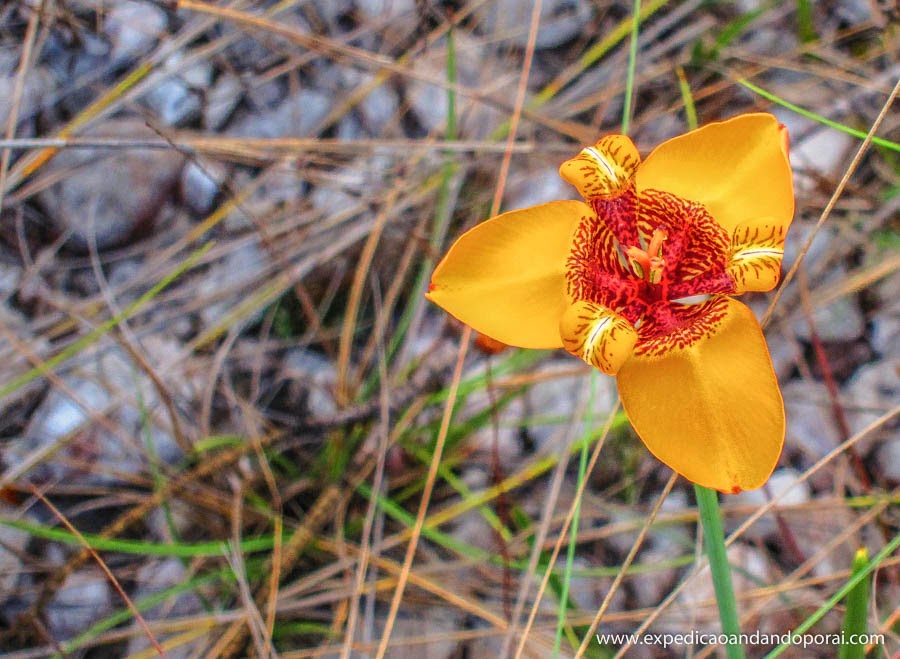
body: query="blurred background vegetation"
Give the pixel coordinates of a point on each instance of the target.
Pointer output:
(231, 424)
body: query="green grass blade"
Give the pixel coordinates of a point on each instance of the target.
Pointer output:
(92, 336)
(825, 121)
(886, 551)
(856, 614)
(632, 65)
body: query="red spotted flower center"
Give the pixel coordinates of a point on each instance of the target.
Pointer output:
(648, 271)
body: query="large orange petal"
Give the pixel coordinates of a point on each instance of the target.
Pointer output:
(738, 169)
(711, 411)
(506, 276)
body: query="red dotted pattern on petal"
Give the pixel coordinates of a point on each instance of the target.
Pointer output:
(669, 326)
(696, 244)
(593, 269)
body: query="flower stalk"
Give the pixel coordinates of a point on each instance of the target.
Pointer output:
(714, 541)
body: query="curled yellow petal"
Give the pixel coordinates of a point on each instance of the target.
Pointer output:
(506, 277)
(603, 170)
(757, 248)
(738, 169)
(598, 335)
(712, 410)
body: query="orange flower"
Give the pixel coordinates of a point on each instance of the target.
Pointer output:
(636, 281)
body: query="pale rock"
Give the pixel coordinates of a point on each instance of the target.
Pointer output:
(552, 402)
(396, 19)
(108, 196)
(785, 481)
(380, 109)
(221, 101)
(560, 21)
(388, 9)
(840, 320)
(434, 624)
(282, 187)
(38, 85)
(696, 603)
(651, 587)
(133, 28)
(105, 382)
(820, 250)
(296, 116)
(155, 577)
(811, 428)
(13, 544)
(532, 187)
(176, 98)
(313, 379)
(230, 280)
(819, 149)
(887, 459)
(429, 100)
(84, 599)
(200, 185)
(872, 392)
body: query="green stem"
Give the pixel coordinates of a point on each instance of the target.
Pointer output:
(711, 519)
(632, 65)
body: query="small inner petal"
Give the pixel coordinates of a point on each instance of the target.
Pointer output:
(604, 170)
(755, 259)
(599, 336)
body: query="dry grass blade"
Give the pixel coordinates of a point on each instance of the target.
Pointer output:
(426, 494)
(252, 426)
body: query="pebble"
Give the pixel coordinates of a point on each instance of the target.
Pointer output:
(552, 402)
(840, 321)
(872, 391)
(155, 577)
(13, 544)
(311, 379)
(697, 599)
(109, 196)
(176, 99)
(200, 184)
(811, 429)
(560, 21)
(85, 598)
(819, 251)
(221, 100)
(104, 382)
(821, 150)
(528, 187)
(297, 116)
(887, 459)
(231, 278)
(37, 86)
(785, 479)
(133, 28)
(429, 101)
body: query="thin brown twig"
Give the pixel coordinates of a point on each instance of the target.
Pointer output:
(636, 545)
(103, 566)
(426, 494)
(845, 179)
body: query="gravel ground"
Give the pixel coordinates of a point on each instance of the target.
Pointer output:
(213, 220)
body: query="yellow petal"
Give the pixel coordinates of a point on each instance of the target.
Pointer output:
(738, 169)
(757, 248)
(603, 170)
(506, 276)
(711, 411)
(599, 336)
